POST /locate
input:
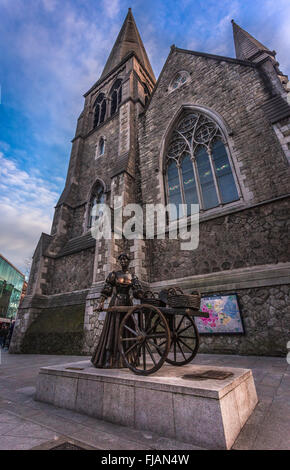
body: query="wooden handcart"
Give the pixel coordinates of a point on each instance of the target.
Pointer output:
(150, 335)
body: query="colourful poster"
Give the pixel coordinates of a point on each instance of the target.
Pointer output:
(224, 315)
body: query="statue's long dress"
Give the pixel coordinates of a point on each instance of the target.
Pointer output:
(106, 354)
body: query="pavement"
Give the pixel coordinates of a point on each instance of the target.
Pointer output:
(26, 424)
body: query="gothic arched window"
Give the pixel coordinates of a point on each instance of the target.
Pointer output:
(197, 165)
(97, 197)
(116, 96)
(100, 109)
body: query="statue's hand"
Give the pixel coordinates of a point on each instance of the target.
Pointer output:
(99, 307)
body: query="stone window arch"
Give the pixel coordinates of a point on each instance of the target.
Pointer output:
(97, 197)
(100, 109)
(179, 79)
(116, 96)
(198, 166)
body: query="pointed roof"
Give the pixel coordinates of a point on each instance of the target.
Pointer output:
(246, 45)
(127, 41)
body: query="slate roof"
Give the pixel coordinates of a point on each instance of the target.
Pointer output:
(128, 40)
(246, 45)
(78, 244)
(121, 165)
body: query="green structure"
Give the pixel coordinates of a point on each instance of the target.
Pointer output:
(11, 285)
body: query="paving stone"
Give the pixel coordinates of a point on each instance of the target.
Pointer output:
(275, 434)
(30, 429)
(19, 409)
(18, 443)
(57, 423)
(107, 441)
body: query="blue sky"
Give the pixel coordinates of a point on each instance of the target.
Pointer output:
(52, 51)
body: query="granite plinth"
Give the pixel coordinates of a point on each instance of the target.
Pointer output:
(209, 413)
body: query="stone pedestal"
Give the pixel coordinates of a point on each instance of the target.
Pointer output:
(209, 413)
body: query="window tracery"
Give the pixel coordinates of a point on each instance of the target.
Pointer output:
(180, 79)
(198, 166)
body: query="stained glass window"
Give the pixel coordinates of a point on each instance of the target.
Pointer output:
(189, 184)
(198, 165)
(209, 194)
(100, 109)
(174, 192)
(224, 174)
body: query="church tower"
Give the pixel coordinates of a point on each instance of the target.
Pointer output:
(69, 265)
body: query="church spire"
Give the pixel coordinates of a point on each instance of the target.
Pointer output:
(247, 47)
(128, 40)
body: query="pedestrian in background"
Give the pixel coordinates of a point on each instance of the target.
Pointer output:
(3, 335)
(10, 333)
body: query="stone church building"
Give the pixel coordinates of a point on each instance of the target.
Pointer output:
(213, 131)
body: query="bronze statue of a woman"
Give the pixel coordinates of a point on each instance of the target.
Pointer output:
(106, 354)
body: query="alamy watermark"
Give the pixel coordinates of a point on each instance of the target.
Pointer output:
(136, 222)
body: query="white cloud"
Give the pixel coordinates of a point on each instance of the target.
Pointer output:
(49, 5)
(59, 70)
(111, 8)
(26, 210)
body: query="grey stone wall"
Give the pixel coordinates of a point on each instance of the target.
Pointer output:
(72, 272)
(50, 324)
(250, 237)
(266, 317)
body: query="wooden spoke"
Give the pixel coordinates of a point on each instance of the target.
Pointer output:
(137, 352)
(181, 350)
(154, 326)
(156, 347)
(174, 350)
(131, 348)
(135, 322)
(182, 318)
(184, 329)
(163, 342)
(130, 329)
(144, 356)
(187, 353)
(146, 320)
(150, 353)
(188, 347)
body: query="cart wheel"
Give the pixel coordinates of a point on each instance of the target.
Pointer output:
(184, 340)
(144, 339)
